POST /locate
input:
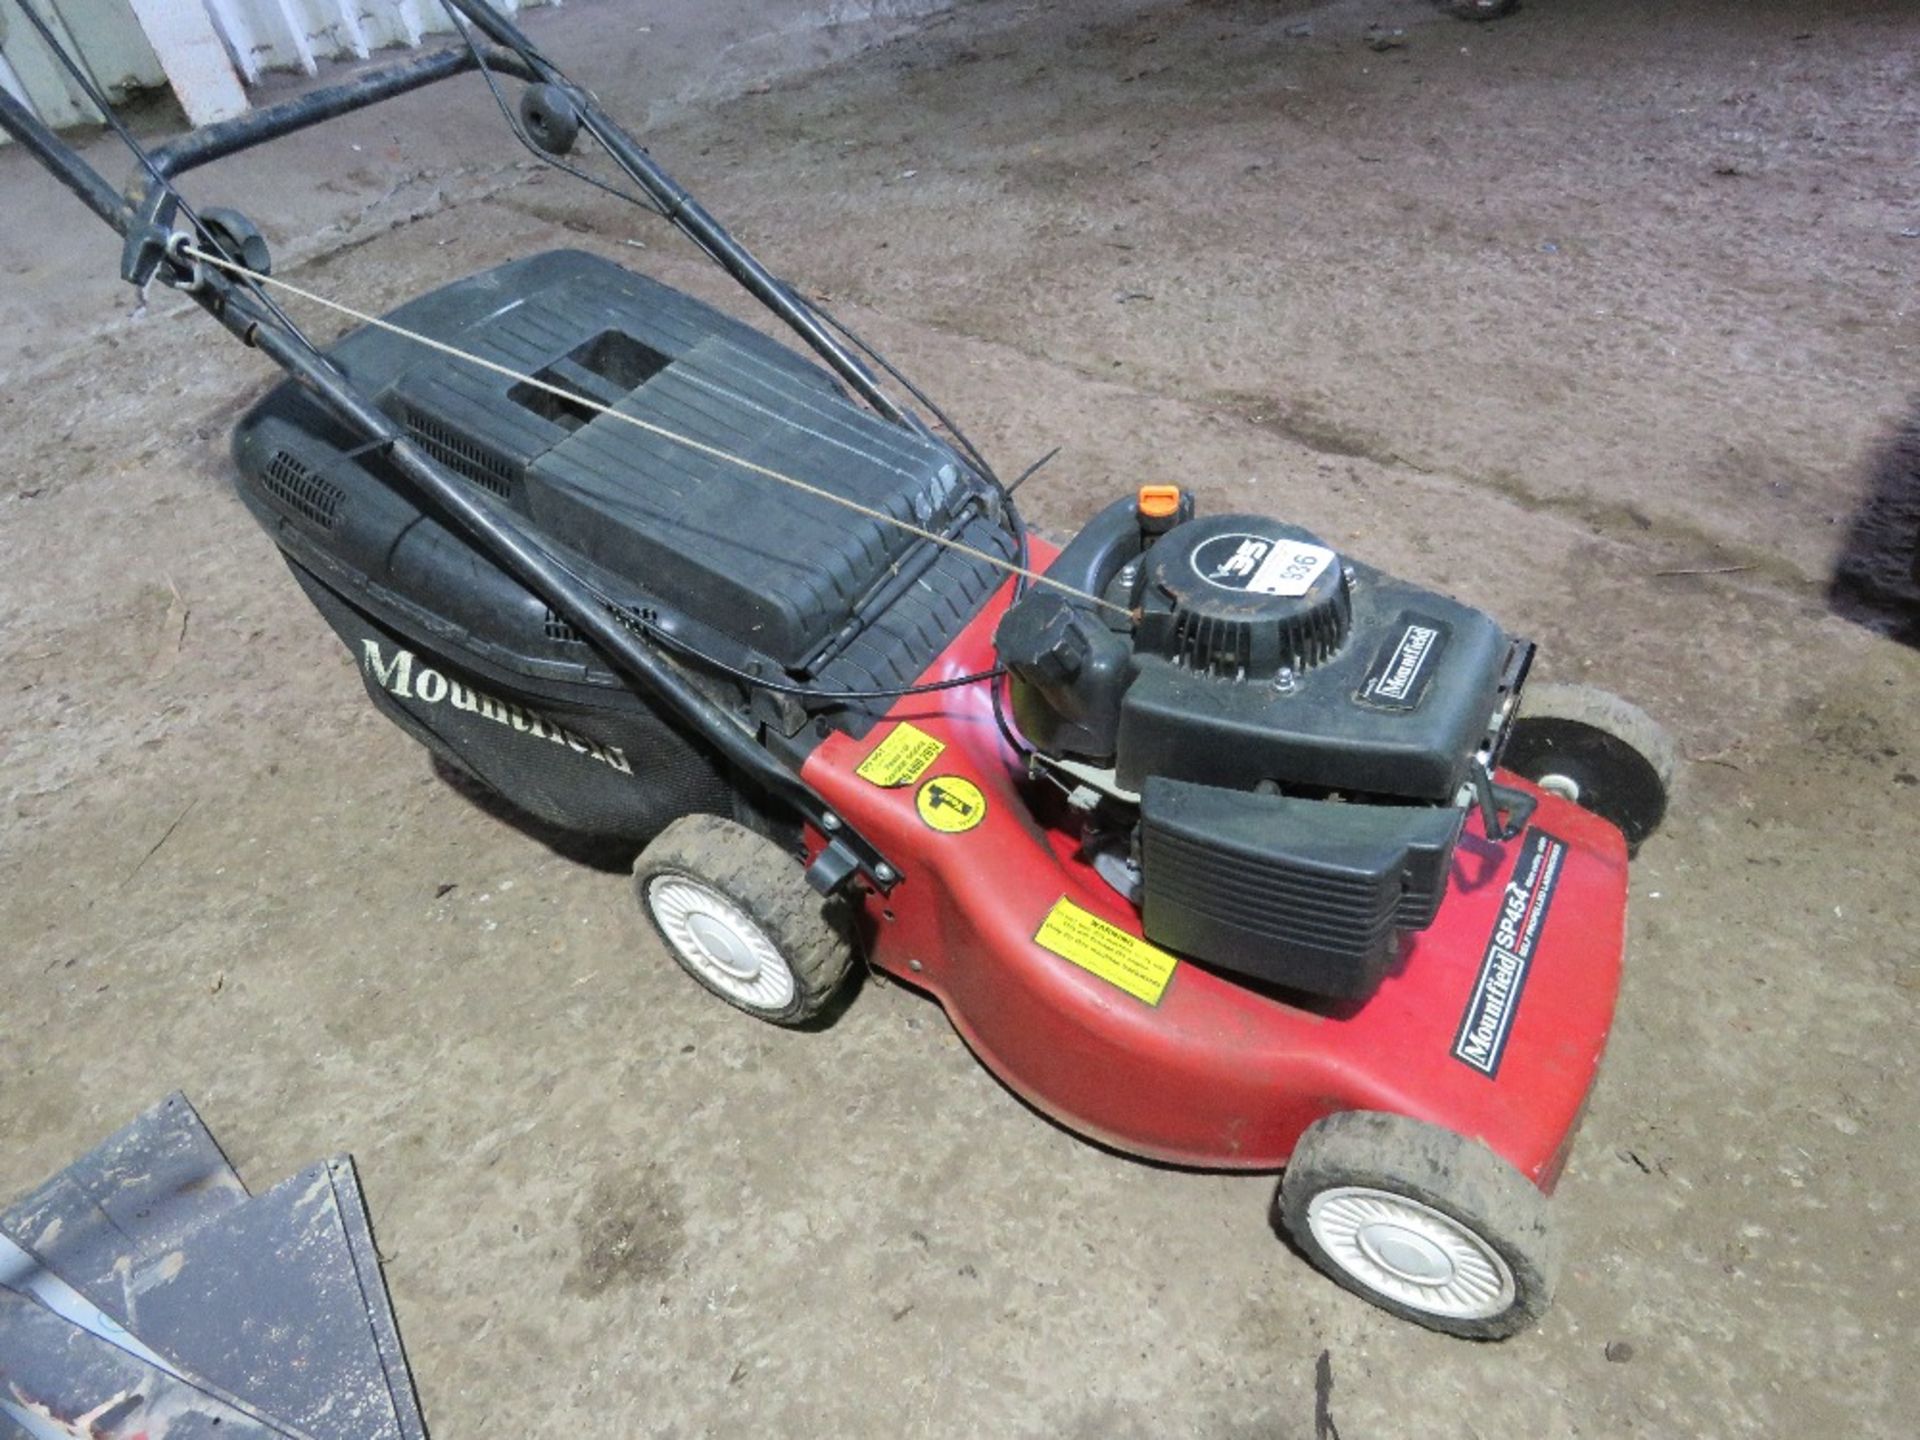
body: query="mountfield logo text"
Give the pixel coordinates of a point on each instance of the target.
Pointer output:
(406, 679)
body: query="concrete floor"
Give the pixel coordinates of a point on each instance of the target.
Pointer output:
(1600, 317)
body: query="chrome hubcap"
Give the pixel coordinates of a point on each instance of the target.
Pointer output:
(1411, 1253)
(720, 943)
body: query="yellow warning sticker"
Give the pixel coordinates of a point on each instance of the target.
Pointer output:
(901, 758)
(951, 804)
(1106, 950)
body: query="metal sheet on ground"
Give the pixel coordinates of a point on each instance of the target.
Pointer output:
(56, 1378)
(273, 1304)
(21, 1273)
(358, 1225)
(265, 1301)
(129, 1199)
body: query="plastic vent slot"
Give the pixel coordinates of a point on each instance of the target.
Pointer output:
(293, 484)
(561, 632)
(460, 454)
(634, 618)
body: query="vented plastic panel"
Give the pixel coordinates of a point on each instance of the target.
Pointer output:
(782, 567)
(781, 564)
(868, 608)
(460, 455)
(1206, 642)
(1307, 894)
(294, 484)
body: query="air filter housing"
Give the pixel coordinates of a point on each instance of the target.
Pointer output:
(1305, 894)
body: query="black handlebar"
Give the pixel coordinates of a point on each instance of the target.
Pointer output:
(212, 142)
(147, 222)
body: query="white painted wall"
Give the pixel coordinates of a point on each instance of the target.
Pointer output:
(206, 51)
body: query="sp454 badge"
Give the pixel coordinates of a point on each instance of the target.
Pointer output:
(1488, 1021)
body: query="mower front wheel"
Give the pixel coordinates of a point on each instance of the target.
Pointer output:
(1597, 750)
(735, 910)
(1425, 1223)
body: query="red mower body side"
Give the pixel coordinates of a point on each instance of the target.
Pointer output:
(1218, 1074)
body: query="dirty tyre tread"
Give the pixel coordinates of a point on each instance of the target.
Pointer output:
(768, 883)
(1452, 1174)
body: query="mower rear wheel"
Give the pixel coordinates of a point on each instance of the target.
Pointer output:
(735, 910)
(1425, 1223)
(1597, 750)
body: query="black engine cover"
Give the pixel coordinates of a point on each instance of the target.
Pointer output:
(1256, 657)
(1395, 706)
(1299, 730)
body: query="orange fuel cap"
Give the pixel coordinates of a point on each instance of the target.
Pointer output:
(1159, 502)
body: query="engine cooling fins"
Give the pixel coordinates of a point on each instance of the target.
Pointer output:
(142, 1289)
(1242, 598)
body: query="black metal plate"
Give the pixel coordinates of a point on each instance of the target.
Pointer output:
(128, 1200)
(275, 1303)
(61, 1379)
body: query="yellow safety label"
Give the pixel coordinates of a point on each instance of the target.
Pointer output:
(951, 804)
(1106, 950)
(901, 758)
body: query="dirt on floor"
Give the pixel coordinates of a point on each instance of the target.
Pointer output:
(1600, 317)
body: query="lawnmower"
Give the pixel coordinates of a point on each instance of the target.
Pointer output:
(1217, 846)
